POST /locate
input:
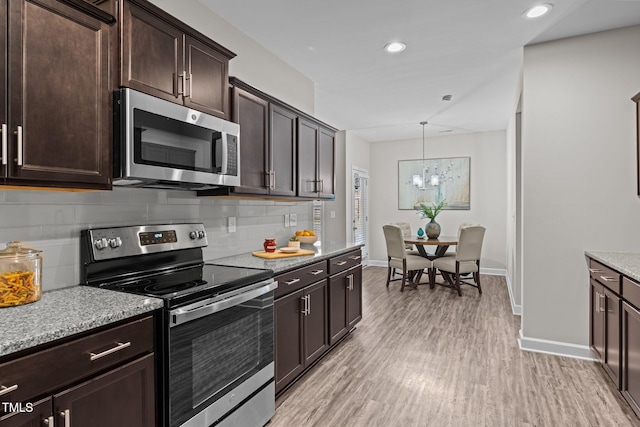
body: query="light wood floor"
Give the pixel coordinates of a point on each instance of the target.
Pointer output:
(430, 358)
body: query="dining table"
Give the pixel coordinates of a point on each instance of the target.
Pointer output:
(442, 243)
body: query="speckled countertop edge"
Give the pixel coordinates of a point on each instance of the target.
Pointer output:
(66, 312)
(627, 263)
(285, 264)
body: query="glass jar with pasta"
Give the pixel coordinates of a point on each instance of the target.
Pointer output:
(20, 275)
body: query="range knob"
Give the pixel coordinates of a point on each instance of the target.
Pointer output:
(193, 235)
(200, 234)
(115, 243)
(100, 244)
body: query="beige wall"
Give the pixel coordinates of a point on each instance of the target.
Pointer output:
(253, 63)
(488, 189)
(579, 174)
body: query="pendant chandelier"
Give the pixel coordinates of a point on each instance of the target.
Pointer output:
(430, 178)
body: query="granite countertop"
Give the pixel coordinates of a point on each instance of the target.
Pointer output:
(627, 263)
(325, 251)
(65, 312)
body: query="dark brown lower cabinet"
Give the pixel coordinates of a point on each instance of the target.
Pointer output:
(311, 318)
(345, 303)
(100, 379)
(631, 356)
(301, 331)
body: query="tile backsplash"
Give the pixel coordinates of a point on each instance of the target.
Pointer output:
(52, 220)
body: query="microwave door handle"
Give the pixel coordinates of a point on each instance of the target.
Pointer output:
(183, 315)
(224, 167)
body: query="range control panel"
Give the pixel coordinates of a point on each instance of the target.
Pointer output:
(117, 242)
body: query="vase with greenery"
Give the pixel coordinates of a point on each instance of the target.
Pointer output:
(431, 212)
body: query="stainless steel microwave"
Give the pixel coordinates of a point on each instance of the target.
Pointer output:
(159, 144)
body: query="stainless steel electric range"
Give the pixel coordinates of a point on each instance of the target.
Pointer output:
(215, 337)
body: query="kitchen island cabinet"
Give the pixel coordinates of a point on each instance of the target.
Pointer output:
(56, 117)
(164, 57)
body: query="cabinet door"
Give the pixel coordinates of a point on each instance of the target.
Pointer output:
(252, 114)
(316, 335)
(631, 356)
(338, 289)
(354, 298)
(123, 397)
(59, 100)
(307, 158)
(288, 336)
(151, 55)
(283, 151)
(40, 415)
(326, 149)
(611, 357)
(207, 75)
(596, 321)
(3, 83)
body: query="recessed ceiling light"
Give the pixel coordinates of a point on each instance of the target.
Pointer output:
(538, 11)
(395, 47)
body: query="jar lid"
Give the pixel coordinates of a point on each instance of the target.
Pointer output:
(16, 249)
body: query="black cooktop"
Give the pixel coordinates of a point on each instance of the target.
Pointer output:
(189, 284)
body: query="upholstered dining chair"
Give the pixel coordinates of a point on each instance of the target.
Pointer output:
(398, 258)
(465, 260)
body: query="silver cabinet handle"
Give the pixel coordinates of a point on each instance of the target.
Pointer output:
(5, 390)
(19, 133)
(183, 77)
(603, 307)
(190, 85)
(608, 279)
(597, 302)
(273, 179)
(304, 307)
(308, 304)
(316, 272)
(355, 257)
(4, 144)
(291, 282)
(49, 421)
(322, 185)
(120, 346)
(67, 417)
(595, 270)
(341, 262)
(350, 282)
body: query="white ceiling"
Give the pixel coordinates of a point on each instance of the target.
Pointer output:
(470, 49)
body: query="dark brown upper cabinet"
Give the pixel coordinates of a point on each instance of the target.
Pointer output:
(163, 57)
(56, 126)
(268, 143)
(316, 165)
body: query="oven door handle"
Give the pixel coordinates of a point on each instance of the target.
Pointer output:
(184, 314)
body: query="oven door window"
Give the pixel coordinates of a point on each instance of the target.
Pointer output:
(175, 144)
(211, 355)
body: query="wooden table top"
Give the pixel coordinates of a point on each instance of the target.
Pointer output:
(442, 240)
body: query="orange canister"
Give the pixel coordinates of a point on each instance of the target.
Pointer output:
(20, 275)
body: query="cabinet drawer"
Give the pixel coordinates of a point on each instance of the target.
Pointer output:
(48, 370)
(345, 262)
(631, 291)
(298, 279)
(603, 274)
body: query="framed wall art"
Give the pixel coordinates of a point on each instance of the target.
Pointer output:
(431, 181)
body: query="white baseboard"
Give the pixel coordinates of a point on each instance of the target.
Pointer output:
(555, 348)
(375, 263)
(516, 309)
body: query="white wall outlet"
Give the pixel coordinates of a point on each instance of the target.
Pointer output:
(286, 220)
(293, 220)
(231, 226)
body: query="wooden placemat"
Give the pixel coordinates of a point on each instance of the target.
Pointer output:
(279, 254)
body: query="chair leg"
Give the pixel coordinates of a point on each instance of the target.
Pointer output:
(476, 276)
(404, 274)
(432, 278)
(388, 276)
(458, 279)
